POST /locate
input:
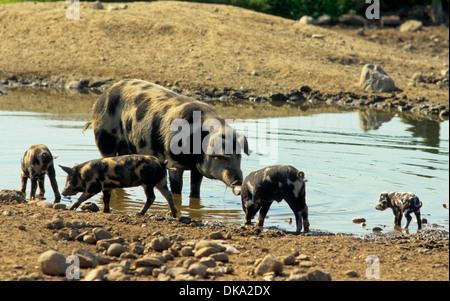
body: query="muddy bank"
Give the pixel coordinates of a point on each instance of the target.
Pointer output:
(153, 247)
(222, 52)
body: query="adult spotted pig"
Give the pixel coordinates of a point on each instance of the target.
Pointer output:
(139, 117)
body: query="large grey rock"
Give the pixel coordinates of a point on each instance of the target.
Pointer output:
(374, 78)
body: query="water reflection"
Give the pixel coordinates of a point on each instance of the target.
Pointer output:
(349, 157)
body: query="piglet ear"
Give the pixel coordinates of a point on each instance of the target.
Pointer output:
(68, 170)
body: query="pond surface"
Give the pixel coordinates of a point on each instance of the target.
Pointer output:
(349, 158)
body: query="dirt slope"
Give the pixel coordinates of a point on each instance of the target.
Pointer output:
(210, 46)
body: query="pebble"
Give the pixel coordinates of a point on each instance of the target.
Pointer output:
(187, 251)
(307, 264)
(197, 269)
(89, 239)
(59, 206)
(96, 274)
(52, 263)
(100, 234)
(222, 256)
(87, 259)
(160, 244)
(216, 235)
(289, 260)
(269, 264)
(115, 249)
(351, 273)
(150, 261)
(206, 251)
(358, 220)
(208, 261)
(209, 243)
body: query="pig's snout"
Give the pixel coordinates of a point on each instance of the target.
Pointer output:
(236, 187)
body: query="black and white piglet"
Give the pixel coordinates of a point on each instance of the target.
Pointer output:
(401, 203)
(275, 183)
(36, 163)
(103, 175)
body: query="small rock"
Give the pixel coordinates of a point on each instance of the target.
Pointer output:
(446, 206)
(351, 273)
(373, 78)
(269, 264)
(160, 244)
(390, 20)
(222, 256)
(208, 261)
(115, 249)
(56, 223)
(206, 251)
(59, 206)
(52, 263)
(100, 234)
(90, 207)
(353, 20)
(137, 248)
(44, 204)
(318, 275)
(289, 260)
(307, 20)
(445, 72)
(411, 26)
(307, 264)
(184, 219)
(318, 36)
(216, 235)
(358, 220)
(89, 239)
(150, 261)
(324, 20)
(418, 77)
(86, 258)
(187, 251)
(7, 213)
(209, 243)
(98, 5)
(97, 274)
(176, 271)
(197, 269)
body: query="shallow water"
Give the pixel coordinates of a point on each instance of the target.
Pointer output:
(349, 158)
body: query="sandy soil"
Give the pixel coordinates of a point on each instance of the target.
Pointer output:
(25, 235)
(212, 46)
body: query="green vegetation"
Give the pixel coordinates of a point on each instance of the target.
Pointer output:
(295, 9)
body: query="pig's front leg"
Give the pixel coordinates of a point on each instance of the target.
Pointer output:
(262, 214)
(176, 180)
(83, 197)
(52, 176)
(196, 182)
(106, 199)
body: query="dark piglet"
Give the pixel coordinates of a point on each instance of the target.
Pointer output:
(401, 203)
(275, 183)
(36, 163)
(118, 172)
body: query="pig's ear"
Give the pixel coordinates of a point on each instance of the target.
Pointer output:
(68, 170)
(243, 143)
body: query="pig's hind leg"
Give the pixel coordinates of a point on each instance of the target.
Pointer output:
(150, 199)
(262, 214)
